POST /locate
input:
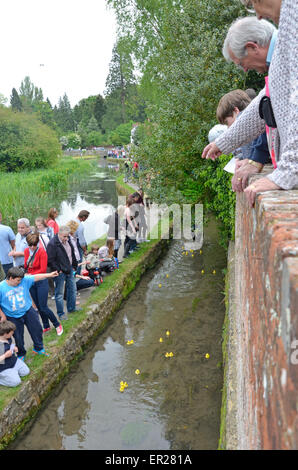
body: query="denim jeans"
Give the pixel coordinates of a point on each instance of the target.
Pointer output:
(71, 292)
(6, 267)
(39, 293)
(31, 320)
(129, 244)
(84, 283)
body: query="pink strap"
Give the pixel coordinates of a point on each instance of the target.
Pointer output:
(271, 150)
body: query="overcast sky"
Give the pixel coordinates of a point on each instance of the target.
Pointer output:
(65, 46)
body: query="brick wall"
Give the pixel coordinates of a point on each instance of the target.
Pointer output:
(266, 322)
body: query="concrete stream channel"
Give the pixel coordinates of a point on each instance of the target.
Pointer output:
(159, 330)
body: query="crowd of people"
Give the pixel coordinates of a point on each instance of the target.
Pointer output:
(262, 129)
(48, 260)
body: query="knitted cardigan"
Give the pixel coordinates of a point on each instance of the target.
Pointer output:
(283, 87)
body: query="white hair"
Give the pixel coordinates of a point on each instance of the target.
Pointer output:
(64, 229)
(244, 30)
(24, 221)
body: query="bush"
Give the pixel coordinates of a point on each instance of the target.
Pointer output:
(26, 143)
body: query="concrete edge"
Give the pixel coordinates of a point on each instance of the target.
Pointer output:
(229, 433)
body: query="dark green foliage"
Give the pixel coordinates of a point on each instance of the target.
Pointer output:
(15, 101)
(25, 143)
(179, 48)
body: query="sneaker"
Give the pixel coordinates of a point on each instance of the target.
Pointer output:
(76, 310)
(63, 317)
(45, 330)
(53, 297)
(41, 352)
(59, 330)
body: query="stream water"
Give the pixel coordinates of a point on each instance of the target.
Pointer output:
(174, 399)
(172, 402)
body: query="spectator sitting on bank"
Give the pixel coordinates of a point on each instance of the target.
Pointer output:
(20, 242)
(51, 220)
(11, 367)
(45, 233)
(36, 262)
(256, 153)
(17, 307)
(107, 251)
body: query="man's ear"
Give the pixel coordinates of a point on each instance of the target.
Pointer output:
(252, 45)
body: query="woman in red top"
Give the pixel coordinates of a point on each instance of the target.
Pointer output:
(36, 261)
(51, 222)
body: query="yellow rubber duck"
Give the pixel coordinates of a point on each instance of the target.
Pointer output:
(168, 333)
(201, 252)
(202, 271)
(167, 275)
(159, 285)
(123, 386)
(207, 356)
(160, 340)
(213, 272)
(192, 256)
(131, 341)
(137, 371)
(169, 354)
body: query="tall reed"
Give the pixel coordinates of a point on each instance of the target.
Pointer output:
(31, 193)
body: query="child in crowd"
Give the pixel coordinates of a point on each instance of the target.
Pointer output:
(16, 306)
(91, 262)
(11, 367)
(229, 108)
(107, 250)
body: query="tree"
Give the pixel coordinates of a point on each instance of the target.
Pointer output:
(63, 115)
(3, 100)
(92, 125)
(26, 143)
(99, 109)
(15, 101)
(120, 79)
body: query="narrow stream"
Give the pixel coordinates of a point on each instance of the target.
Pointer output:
(173, 402)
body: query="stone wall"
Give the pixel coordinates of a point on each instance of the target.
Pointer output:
(37, 386)
(262, 365)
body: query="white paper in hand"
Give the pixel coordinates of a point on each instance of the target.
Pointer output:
(230, 167)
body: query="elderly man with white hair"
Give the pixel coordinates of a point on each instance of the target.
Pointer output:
(250, 44)
(17, 253)
(62, 258)
(281, 105)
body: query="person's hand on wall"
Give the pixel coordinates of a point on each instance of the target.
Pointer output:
(263, 184)
(242, 174)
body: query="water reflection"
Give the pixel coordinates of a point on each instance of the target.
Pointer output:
(97, 194)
